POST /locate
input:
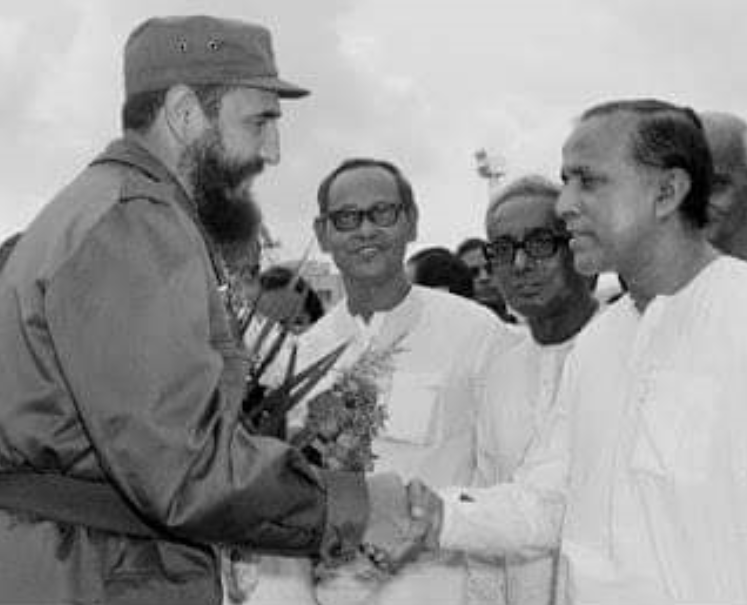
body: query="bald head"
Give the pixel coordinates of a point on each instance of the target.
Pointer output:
(727, 211)
(725, 133)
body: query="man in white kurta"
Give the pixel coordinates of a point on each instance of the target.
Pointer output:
(532, 265)
(446, 345)
(651, 422)
(643, 462)
(432, 399)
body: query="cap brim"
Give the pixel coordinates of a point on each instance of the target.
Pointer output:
(285, 90)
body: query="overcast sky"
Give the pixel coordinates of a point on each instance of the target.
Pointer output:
(421, 82)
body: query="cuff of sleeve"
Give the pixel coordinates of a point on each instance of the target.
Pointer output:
(347, 513)
(448, 539)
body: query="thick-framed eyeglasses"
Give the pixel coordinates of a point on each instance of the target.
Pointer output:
(381, 214)
(538, 244)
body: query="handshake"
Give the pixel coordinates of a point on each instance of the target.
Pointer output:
(403, 521)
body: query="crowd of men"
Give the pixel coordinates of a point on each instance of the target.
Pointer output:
(540, 447)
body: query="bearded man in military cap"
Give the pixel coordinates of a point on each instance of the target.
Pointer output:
(124, 461)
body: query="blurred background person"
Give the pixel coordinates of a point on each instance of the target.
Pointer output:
(472, 252)
(295, 304)
(727, 205)
(439, 267)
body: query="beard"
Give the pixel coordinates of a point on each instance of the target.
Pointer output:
(226, 207)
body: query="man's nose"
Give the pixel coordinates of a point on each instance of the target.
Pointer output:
(367, 226)
(270, 150)
(482, 273)
(521, 260)
(566, 203)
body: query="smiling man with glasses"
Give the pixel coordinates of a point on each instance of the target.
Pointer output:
(445, 347)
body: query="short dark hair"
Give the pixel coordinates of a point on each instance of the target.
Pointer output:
(279, 277)
(140, 110)
(669, 136)
(531, 185)
(438, 267)
(404, 188)
(7, 247)
(469, 244)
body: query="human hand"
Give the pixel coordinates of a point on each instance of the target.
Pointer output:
(428, 507)
(393, 537)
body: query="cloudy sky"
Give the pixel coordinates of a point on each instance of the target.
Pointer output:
(421, 82)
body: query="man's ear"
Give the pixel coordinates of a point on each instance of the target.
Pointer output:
(673, 189)
(412, 224)
(320, 230)
(183, 113)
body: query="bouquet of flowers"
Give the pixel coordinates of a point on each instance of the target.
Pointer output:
(341, 424)
(265, 408)
(343, 420)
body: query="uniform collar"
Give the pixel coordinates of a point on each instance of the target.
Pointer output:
(150, 179)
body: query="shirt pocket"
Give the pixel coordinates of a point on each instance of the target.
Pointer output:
(675, 437)
(411, 405)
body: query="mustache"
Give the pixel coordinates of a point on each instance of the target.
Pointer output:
(213, 171)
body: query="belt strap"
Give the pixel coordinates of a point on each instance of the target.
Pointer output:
(73, 501)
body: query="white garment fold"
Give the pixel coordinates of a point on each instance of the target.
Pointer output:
(646, 443)
(440, 381)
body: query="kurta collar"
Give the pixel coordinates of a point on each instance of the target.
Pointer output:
(384, 327)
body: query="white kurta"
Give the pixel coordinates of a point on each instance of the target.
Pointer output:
(527, 379)
(433, 397)
(646, 445)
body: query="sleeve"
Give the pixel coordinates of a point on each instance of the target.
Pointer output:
(129, 317)
(491, 402)
(523, 518)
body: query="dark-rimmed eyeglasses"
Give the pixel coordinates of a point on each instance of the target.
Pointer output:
(381, 214)
(538, 244)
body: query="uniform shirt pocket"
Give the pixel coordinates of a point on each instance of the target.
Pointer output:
(676, 426)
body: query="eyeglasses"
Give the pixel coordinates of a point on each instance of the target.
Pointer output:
(538, 244)
(381, 214)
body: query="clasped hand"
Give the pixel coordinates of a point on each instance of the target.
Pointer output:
(403, 521)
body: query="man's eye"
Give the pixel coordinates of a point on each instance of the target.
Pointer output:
(588, 181)
(720, 183)
(256, 123)
(716, 214)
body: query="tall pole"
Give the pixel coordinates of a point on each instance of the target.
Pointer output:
(492, 168)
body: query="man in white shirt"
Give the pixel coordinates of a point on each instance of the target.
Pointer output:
(533, 267)
(367, 218)
(643, 463)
